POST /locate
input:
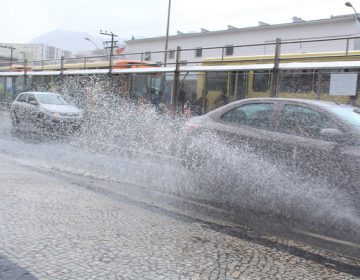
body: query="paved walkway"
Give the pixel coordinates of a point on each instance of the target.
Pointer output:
(55, 229)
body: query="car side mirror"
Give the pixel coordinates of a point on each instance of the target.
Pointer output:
(33, 102)
(331, 134)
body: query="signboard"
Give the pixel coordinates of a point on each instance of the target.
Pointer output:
(343, 84)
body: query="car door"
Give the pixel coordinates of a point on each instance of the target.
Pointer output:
(313, 153)
(253, 125)
(27, 108)
(20, 105)
(32, 109)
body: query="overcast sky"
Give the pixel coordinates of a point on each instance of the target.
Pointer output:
(23, 20)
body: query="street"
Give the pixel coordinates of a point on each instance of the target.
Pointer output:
(67, 213)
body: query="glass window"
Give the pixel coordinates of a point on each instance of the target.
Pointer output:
(2, 89)
(261, 82)
(19, 84)
(323, 82)
(36, 83)
(171, 54)
(147, 56)
(322, 79)
(217, 81)
(304, 121)
(257, 115)
(294, 81)
(349, 114)
(31, 98)
(198, 52)
(140, 86)
(22, 98)
(52, 99)
(229, 50)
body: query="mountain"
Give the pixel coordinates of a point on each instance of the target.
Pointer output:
(71, 40)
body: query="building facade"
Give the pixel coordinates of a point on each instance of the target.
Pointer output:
(298, 29)
(32, 52)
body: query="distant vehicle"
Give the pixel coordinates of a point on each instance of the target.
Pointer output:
(315, 137)
(45, 109)
(20, 67)
(124, 64)
(15, 68)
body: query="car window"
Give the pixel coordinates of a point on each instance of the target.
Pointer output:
(257, 115)
(348, 114)
(303, 121)
(22, 98)
(31, 98)
(53, 99)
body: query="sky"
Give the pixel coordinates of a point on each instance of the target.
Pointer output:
(23, 20)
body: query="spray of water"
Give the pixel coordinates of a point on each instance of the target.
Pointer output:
(243, 179)
(234, 177)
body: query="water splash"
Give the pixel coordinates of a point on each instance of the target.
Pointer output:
(235, 177)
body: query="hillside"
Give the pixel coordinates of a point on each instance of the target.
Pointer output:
(71, 40)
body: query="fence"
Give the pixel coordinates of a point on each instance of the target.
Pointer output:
(195, 56)
(240, 84)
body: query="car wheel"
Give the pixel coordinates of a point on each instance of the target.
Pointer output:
(193, 156)
(76, 128)
(40, 121)
(14, 119)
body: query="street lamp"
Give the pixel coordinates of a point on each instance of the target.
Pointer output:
(348, 4)
(96, 46)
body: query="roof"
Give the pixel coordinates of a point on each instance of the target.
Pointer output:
(317, 103)
(38, 92)
(322, 103)
(349, 17)
(200, 68)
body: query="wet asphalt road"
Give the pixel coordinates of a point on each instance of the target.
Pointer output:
(65, 221)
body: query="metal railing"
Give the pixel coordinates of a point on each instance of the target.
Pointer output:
(212, 54)
(271, 53)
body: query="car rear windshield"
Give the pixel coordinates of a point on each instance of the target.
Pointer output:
(53, 99)
(350, 115)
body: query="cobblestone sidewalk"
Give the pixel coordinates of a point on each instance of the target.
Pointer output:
(51, 229)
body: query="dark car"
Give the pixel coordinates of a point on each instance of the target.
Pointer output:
(313, 137)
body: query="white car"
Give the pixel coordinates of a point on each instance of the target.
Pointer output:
(45, 109)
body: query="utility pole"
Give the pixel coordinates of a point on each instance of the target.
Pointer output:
(110, 45)
(11, 55)
(163, 80)
(175, 89)
(25, 72)
(275, 72)
(167, 35)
